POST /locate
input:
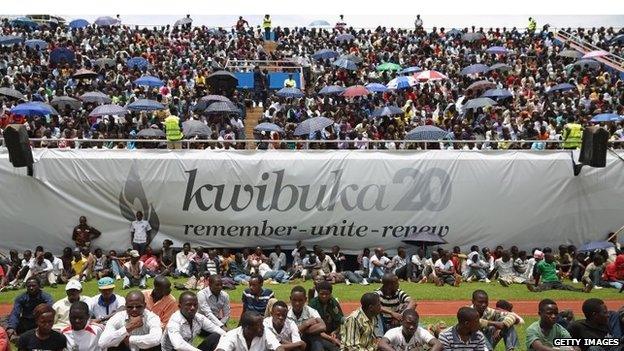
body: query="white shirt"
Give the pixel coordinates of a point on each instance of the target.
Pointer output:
(263, 269)
(57, 266)
(383, 260)
(140, 228)
(145, 337)
(179, 334)
(443, 266)
(235, 341)
(85, 339)
(99, 311)
(306, 313)
(396, 338)
(61, 309)
(289, 333)
(278, 261)
(182, 261)
(505, 269)
(216, 308)
(37, 268)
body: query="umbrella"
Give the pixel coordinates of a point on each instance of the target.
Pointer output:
(319, 23)
(607, 117)
(497, 50)
(290, 93)
(454, 32)
(430, 75)
(561, 87)
(108, 110)
(402, 82)
(78, 23)
(596, 53)
(145, 105)
(324, 54)
(12, 93)
(193, 128)
(96, 97)
(106, 21)
(105, 62)
(222, 107)
(63, 101)
(570, 53)
(424, 239)
(203, 103)
(500, 67)
(474, 69)
(346, 64)
(10, 40)
(149, 81)
(151, 133)
(85, 73)
(391, 110)
(24, 22)
(331, 89)
(355, 90)
(137, 62)
(313, 124)
(618, 39)
(481, 85)
(376, 87)
(36, 44)
(351, 57)
(479, 102)
(591, 64)
(594, 246)
(497, 94)
(470, 37)
(183, 22)
(268, 127)
(389, 66)
(33, 109)
(223, 80)
(344, 37)
(412, 69)
(61, 54)
(426, 133)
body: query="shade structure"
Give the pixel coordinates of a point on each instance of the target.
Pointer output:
(402, 82)
(430, 76)
(312, 125)
(106, 21)
(332, 90)
(325, 54)
(222, 107)
(145, 105)
(561, 87)
(569, 53)
(33, 108)
(105, 62)
(426, 133)
(497, 94)
(410, 70)
(150, 81)
(78, 23)
(474, 69)
(62, 55)
(471, 37)
(96, 97)
(344, 38)
(479, 102)
(499, 50)
(268, 127)
(6, 40)
(12, 93)
(355, 90)
(503, 67)
(108, 110)
(596, 53)
(194, 128)
(183, 22)
(66, 101)
(481, 85)
(151, 133)
(376, 87)
(36, 44)
(290, 93)
(85, 74)
(387, 111)
(607, 117)
(346, 64)
(389, 66)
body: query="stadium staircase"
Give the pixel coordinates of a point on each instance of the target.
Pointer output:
(269, 46)
(576, 43)
(254, 115)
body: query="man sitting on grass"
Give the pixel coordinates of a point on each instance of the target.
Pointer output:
(329, 309)
(495, 324)
(465, 335)
(506, 272)
(541, 334)
(311, 326)
(283, 329)
(445, 271)
(358, 330)
(546, 271)
(393, 301)
(409, 336)
(256, 298)
(249, 336)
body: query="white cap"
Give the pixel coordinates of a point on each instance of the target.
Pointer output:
(73, 284)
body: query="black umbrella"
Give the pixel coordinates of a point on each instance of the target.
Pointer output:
(97, 97)
(12, 93)
(105, 62)
(222, 107)
(62, 101)
(205, 101)
(151, 133)
(193, 128)
(85, 73)
(424, 239)
(222, 81)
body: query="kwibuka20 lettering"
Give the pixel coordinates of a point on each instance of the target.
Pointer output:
(428, 190)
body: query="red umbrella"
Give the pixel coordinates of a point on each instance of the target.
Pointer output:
(356, 90)
(430, 75)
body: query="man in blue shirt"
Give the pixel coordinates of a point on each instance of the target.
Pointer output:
(21, 318)
(256, 298)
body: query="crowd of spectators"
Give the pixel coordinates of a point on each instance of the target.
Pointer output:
(183, 57)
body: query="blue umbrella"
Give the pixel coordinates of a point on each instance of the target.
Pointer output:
(313, 124)
(474, 69)
(497, 50)
(33, 109)
(412, 69)
(426, 133)
(319, 23)
(24, 22)
(618, 39)
(332, 89)
(108, 110)
(150, 81)
(325, 54)
(561, 87)
(591, 64)
(497, 93)
(78, 23)
(106, 21)
(36, 43)
(391, 110)
(376, 87)
(268, 127)
(607, 117)
(402, 82)
(479, 102)
(59, 55)
(454, 32)
(10, 39)
(346, 64)
(137, 62)
(290, 93)
(344, 37)
(595, 245)
(145, 105)
(500, 67)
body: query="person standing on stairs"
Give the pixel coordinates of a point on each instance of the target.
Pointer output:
(266, 24)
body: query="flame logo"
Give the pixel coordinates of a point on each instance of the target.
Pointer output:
(128, 204)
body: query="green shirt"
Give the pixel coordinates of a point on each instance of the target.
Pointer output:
(547, 271)
(534, 332)
(331, 313)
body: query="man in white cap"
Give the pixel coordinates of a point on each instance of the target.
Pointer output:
(61, 307)
(134, 272)
(104, 305)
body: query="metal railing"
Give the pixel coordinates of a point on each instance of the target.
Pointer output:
(611, 60)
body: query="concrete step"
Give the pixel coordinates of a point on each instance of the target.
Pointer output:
(269, 46)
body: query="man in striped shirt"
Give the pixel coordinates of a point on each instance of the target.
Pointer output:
(465, 335)
(495, 324)
(393, 301)
(358, 330)
(256, 298)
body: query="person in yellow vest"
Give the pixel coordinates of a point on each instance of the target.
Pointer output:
(266, 24)
(173, 132)
(532, 25)
(290, 82)
(572, 135)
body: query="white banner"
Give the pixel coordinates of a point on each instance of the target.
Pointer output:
(353, 199)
